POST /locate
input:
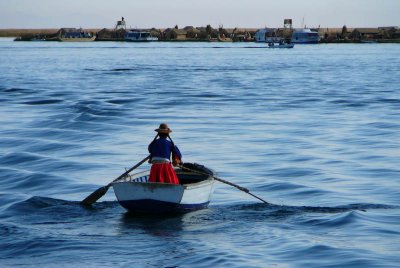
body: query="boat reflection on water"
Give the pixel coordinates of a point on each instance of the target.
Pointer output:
(167, 224)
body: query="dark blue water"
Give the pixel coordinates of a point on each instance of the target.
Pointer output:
(314, 130)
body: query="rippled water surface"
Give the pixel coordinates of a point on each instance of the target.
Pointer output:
(314, 130)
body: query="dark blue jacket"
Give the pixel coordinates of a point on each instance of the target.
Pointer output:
(163, 148)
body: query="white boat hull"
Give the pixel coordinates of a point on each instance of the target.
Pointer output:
(137, 195)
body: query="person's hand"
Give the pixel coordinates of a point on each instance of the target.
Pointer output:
(176, 161)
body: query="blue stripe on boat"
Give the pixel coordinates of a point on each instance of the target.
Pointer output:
(142, 179)
(156, 206)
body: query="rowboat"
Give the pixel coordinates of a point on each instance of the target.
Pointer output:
(136, 194)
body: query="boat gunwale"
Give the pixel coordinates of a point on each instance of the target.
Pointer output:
(188, 186)
(130, 179)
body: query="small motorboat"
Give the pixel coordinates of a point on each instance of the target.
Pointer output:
(194, 192)
(280, 45)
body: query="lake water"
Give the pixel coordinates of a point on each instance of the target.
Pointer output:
(314, 130)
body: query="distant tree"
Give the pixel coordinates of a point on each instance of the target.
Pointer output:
(176, 27)
(344, 32)
(209, 29)
(387, 33)
(222, 32)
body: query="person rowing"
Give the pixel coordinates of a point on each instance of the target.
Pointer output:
(161, 149)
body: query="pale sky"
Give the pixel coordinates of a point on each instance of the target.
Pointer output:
(168, 13)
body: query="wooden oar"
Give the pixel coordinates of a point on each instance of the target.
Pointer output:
(247, 191)
(96, 195)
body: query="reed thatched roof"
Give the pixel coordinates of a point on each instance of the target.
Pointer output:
(367, 30)
(191, 29)
(176, 31)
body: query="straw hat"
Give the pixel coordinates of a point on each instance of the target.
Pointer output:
(163, 128)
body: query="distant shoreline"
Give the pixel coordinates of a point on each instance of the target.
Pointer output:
(14, 32)
(328, 35)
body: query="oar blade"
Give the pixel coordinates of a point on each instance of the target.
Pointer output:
(96, 195)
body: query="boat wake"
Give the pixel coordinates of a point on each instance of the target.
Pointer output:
(312, 209)
(37, 204)
(65, 216)
(41, 206)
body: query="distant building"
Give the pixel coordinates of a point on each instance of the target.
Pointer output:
(388, 28)
(396, 34)
(366, 33)
(192, 32)
(175, 34)
(288, 24)
(116, 34)
(332, 34)
(120, 24)
(389, 32)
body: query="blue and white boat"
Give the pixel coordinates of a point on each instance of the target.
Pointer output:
(267, 35)
(74, 35)
(139, 36)
(194, 192)
(305, 36)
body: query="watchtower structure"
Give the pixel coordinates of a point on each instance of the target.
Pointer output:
(287, 24)
(120, 24)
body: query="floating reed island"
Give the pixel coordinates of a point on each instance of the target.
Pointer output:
(205, 34)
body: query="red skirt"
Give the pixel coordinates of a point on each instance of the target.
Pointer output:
(164, 173)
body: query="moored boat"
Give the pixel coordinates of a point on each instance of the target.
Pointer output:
(224, 39)
(74, 35)
(267, 35)
(139, 36)
(194, 192)
(305, 36)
